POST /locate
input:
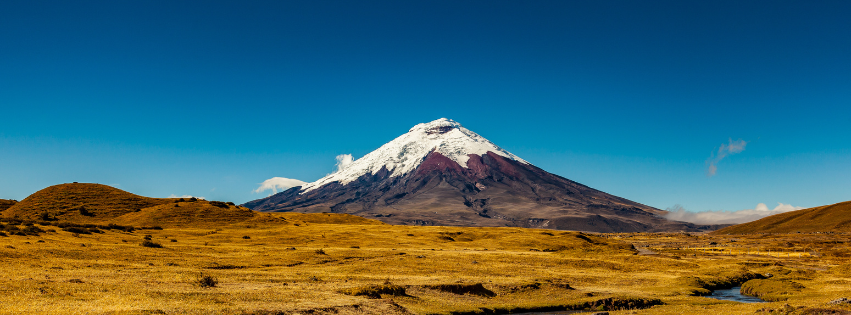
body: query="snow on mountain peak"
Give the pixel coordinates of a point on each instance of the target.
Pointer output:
(405, 153)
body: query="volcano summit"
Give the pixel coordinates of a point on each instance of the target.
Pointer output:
(440, 173)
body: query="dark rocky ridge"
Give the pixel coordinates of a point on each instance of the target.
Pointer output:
(491, 191)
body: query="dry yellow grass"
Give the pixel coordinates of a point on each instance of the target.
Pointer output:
(306, 263)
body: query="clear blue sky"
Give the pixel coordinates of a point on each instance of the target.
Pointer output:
(210, 98)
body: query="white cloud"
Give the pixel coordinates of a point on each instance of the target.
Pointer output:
(343, 161)
(677, 213)
(726, 149)
(276, 183)
(186, 196)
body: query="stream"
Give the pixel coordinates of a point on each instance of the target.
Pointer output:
(733, 294)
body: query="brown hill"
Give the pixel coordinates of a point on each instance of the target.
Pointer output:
(81, 203)
(187, 213)
(832, 218)
(5, 204)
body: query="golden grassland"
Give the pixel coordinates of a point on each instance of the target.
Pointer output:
(339, 264)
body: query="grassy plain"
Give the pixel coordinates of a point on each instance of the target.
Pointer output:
(340, 264)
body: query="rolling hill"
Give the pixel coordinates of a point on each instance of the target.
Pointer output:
(83, 203)
(80, 202)
(831, 218)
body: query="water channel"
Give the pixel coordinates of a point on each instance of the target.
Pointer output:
(556, 313)
(733, 294)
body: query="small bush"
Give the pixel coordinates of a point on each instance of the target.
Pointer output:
(225, 267)
(246, 237)
(85, 212)
(321, 252)
(148, 237)
(151, 244)
(219, 204)
(173, 240)
(76, 230)
(32, 230)
(206, 281)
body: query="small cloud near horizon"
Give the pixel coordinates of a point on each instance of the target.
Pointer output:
(343, 161)
(726, 149)
(276, 183)
(678, 213)
(186, 196)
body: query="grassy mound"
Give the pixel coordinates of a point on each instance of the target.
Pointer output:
(771, 290)
(81, 203)
(832, 218)
(5, 204)
(187, 213)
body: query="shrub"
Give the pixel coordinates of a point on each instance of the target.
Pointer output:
(76, 230)
(246, 237)
(32, 230)
(151, 244)
(85, 212)
(206, 281)
(148, 237)
(321, 252)
(219, 204)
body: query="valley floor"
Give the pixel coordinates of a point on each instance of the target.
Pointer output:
(314, 265)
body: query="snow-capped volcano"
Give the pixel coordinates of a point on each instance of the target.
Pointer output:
(405, 153)
(440, 173)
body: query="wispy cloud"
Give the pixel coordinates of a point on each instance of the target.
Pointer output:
(343, 161)
(276, 183)
(186, 196)
(726, 149)
(677, 213)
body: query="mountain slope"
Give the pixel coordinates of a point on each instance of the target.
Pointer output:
(831, 218)
(440, 173)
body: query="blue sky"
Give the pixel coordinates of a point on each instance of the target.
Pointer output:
(210, 98)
